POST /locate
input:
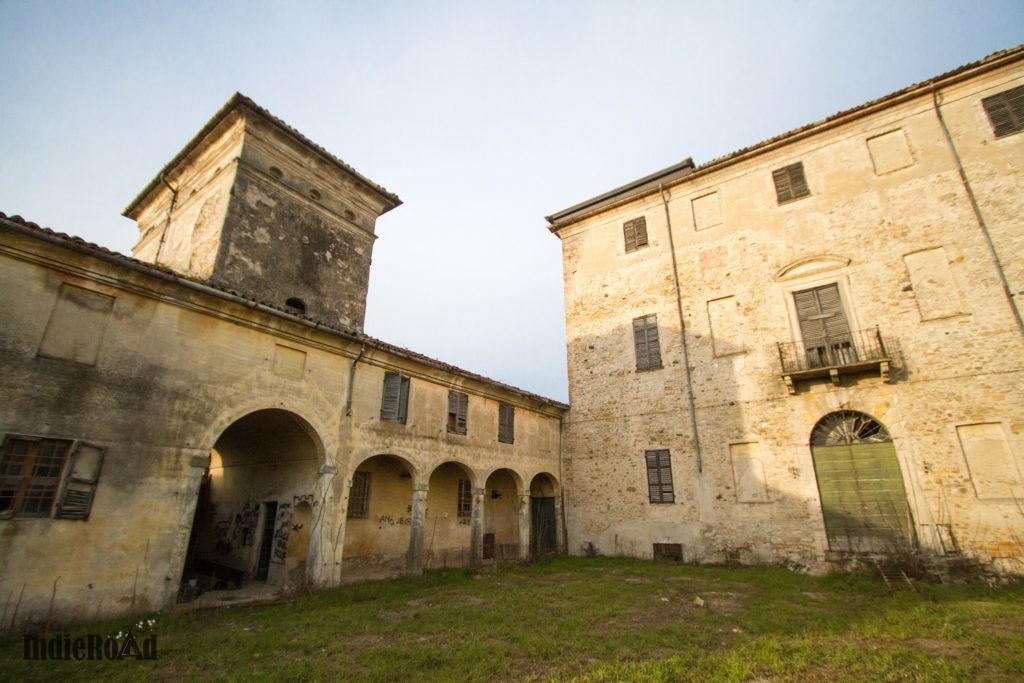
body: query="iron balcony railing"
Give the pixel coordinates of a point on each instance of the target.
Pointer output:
(820, 355)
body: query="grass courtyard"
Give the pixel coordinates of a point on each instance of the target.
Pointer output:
(581, 619)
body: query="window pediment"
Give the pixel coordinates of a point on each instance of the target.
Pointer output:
(811, 265)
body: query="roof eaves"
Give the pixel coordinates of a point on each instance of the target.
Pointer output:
(91, 249)
(567, 216)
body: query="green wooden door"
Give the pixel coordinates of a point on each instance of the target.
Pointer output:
(863, 499)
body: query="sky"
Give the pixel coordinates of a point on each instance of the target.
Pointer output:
(483, 116)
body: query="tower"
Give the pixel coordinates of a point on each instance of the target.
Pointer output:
(252, 206)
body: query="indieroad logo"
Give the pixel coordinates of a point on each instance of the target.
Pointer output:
(92, 646)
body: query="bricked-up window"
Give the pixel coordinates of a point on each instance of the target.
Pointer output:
(790, 182)
(394, 405)
(634, 232)
(645, 339)
(659, 476)
(30, 475)
(1006, 111)
(506, 423)
(458, 407)
(465, 504)
(359, 496)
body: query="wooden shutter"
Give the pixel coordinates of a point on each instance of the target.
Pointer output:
(458, 405)
(659, 476)
(634, 233)
(506, 423)
(645, 341)
(790, 182)
(823, 325)
(392, 389)
(394, 405)
(82, 474)
(1006, 111)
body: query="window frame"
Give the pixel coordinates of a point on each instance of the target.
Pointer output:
(660, 488)
(634, 234)
(394, 400)
(359, 496)
(647, 343)
(458, 412)
(1005, 111)
(506, 423)
(464, 499)
(790, 183)
(72, 486)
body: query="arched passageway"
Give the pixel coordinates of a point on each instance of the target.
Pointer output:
(263, 467)
(448, 522)
(863, 498)
(378, 520)
(501, 516)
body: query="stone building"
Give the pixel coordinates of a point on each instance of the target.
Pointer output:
(811, 348)
(209, 413)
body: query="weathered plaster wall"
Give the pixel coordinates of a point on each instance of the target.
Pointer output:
(158, 374)
(889, 220)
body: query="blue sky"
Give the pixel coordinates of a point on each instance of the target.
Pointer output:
(482, 116)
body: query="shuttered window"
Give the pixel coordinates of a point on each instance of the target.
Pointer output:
(359, 496)
(506, 423)
(458, 407)
(659, 476)
(823, 326)
(634, 232)
(465, 504)
(790, 182)
(645, 340)
(30, 475)
(1006, 111)
(394, 405)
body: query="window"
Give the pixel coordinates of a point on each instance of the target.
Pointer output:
(659, 476)
(394, 405)
(790, 182)
(826, 334)
(1006, 111)
(359, 496)
(458, 405)
(635, 233)
(506, 423)
(36, 472)
(645, 339)
(465, 502)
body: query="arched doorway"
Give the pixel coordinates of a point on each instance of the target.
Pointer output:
(448, 523)
(543, 516)
(378, 520)
(863, 499)
(501, 516)
(261, 466)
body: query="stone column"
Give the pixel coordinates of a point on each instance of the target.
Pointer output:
(414, 559)
(476, 528)
(524, 526)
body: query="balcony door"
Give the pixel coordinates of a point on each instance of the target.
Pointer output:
(823, 327)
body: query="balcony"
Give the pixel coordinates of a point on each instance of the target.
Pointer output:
(847, 353)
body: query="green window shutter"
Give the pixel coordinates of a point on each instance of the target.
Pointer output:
(403, 399)
(1006, 111)
(80, 480)
(823, 325)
